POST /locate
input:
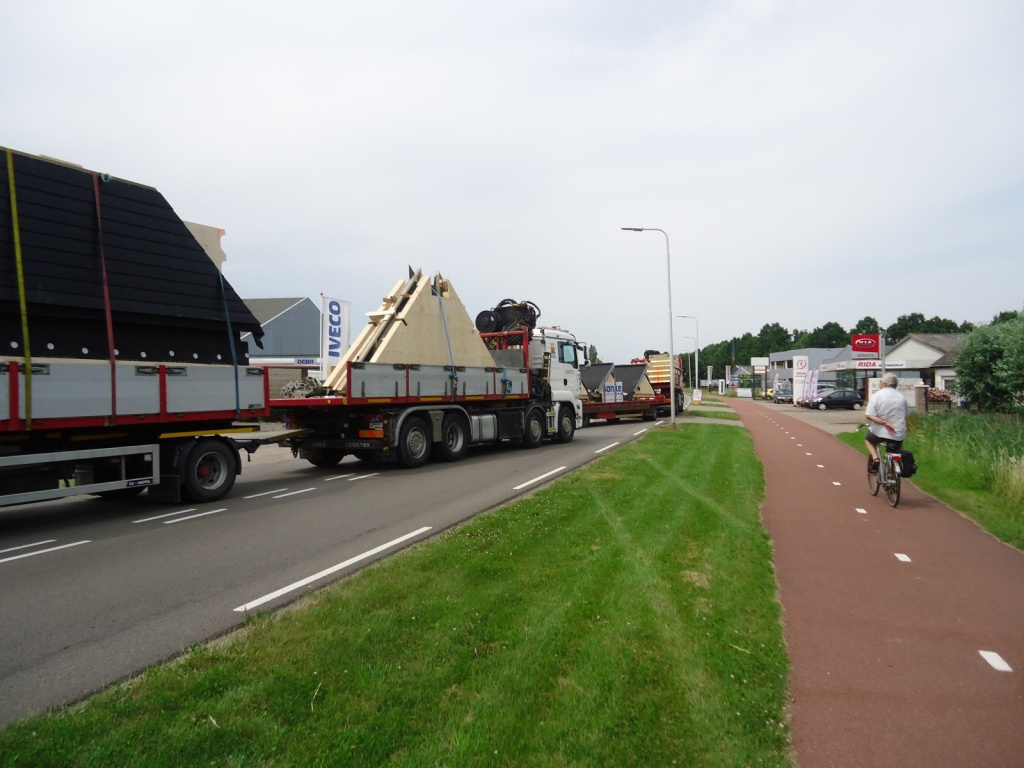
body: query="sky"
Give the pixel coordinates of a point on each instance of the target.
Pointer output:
(808, 162)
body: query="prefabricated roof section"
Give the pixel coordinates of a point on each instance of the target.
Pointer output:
(166, 294)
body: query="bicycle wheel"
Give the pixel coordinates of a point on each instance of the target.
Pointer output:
(892, 485)
(873, 483)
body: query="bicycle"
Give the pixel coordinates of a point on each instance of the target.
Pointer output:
(888, 473)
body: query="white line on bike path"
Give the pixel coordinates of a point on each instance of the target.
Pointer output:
(902, 558)
(996, 661)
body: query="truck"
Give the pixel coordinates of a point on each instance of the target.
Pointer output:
(614, 392)
(658, 367)
(422, 380)
(121, 367)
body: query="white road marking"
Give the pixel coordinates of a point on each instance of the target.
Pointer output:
(996, 661)
(862, 511)
(193, 517)
(808, 454)
(902, 558)
(659, 423)
(338, 477)
(836, 483)
(295, 493)
(328, 571)
(265, 493)
(27, 546)
(602, 450)
(538, 479)
(640, 432)
(161, 517)
(821, 466)
(43, 551)
(363, 477)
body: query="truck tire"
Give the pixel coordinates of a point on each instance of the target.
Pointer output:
(414, 443)
(566, 424)
(208, 471)
(533, 429)
(326, 457)
(454, 437)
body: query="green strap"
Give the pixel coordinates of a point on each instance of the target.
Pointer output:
(21, 290)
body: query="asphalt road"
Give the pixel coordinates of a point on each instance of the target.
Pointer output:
(95, 591)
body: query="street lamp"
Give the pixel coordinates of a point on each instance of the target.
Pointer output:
(696, 363)
(671, 350)
(690, 358)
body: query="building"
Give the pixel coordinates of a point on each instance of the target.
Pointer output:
(291, 339)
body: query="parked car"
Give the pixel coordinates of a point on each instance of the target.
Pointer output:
(840, 398)
(768, 393)
(782, 395)
(804, 401)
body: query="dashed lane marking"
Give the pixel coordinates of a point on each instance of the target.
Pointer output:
(902, 558)
(193, 517)
(265, 493)
(338, 477)
(161, 517)
(41, 551)
(862, 511)
(996, 661)
(295, 493)
(27, 546)
(835, 482)
(607, 447)
(362, 477)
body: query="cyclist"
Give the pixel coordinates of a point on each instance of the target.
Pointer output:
(887, 412)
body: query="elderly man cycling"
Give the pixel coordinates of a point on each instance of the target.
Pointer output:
(887, 412)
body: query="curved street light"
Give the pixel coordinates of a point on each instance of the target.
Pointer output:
(696, 363)
(671, 350)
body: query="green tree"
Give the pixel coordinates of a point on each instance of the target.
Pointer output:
(866, 324)
(592, 355)
(903, 327)
(829, 335)
(773, 338)
(1007, 316)
(990, 367)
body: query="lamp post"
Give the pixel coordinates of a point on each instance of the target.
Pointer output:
(696, 363)
(671, 350)
(694, 340)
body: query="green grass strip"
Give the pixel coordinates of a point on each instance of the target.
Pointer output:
(625, 615)
(972, 462)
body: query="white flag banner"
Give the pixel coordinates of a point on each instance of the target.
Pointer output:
(335, 333)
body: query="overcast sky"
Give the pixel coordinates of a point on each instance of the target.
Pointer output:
(810, 161)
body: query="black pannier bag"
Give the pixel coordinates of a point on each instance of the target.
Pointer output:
(909, 466)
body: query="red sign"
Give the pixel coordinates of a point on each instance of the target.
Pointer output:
(866, 346)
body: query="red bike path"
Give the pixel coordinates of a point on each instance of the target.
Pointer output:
(886, 613)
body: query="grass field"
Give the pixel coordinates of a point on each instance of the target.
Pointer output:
(972, 462)
(625, 615)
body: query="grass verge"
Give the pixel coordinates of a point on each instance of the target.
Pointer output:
(624, 615)
(973, 462)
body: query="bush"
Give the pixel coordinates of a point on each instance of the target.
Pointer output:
(990, 367)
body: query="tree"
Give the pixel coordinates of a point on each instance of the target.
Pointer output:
(829, 335)
(773, 338)
(865, 325)
(990, 367)
(592, 355)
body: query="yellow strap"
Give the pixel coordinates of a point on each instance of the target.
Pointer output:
(21, 290)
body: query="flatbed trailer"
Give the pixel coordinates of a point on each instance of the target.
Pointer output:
(405, 413)
(639, 408)
(174, 429)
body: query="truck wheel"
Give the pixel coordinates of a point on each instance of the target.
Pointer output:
(566, 424)
(651, 415)
(208, 472)
(454, 437)
(414, 443)
(326, 457)
(533, 429)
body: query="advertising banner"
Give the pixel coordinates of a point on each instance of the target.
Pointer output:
(335, 333)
